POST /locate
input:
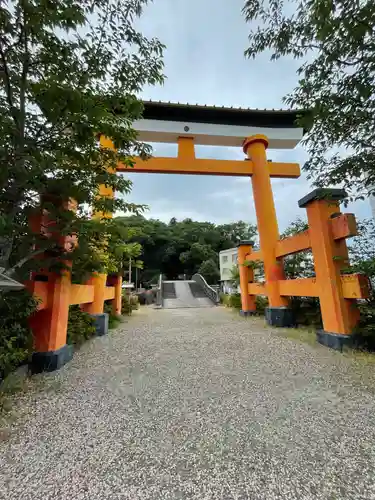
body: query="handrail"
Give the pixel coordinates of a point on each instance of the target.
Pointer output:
(159, 294)
(208, 290)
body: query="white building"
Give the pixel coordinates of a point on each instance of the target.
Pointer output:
(372, 205)
(228, 260)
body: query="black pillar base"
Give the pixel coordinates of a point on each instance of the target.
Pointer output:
(51, 360)
(280, 316)
(335, 341)
(247, 313)
(101, 323)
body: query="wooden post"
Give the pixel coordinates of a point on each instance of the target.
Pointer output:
(246, 277)
(339, 315)
(49, 325)
(116, 282)
(278, 313)
(99, 280)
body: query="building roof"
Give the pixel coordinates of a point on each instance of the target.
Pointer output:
(171, 111)
(229, 250)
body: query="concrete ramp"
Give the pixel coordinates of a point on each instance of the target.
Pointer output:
(187, 294)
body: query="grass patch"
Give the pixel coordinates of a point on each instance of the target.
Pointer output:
(14, 383)
(304, 335)
(114, 321)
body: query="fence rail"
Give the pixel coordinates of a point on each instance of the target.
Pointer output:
(208, 290)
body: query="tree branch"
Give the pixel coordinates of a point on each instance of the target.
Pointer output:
(9, 92)
(23, 261)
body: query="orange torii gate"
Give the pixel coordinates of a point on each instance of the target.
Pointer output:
(254, 131)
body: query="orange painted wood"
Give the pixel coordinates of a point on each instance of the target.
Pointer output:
(254, 256)
(49, 324)
(199, 166)
(39, 289)
(104, 190)
(280, 170)
(257, 289)
(246, 275)
(354, 286)
(81, 294)
(98, 281)
(255, 148)
(293, 244)
(116, 282)
(109, 293)
(339, 314)
(185, 165)
(344, 226)
(301, 287)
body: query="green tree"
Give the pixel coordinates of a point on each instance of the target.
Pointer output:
(235, 275)
(210, 271)
(335, 42)
(300, 264)
(69, 70)
(237, 231)
(362, 249)
(180, 247)
(197, 254)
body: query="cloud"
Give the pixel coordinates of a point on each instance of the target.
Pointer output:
(204, 63)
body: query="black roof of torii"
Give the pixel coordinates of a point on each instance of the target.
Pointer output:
(169, 111)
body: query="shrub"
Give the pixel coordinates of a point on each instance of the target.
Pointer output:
(16, 339)
(127, 306)
(80, 326)
(113, 319)
(261, 303)
(364, 332)
(142, 298)
(235, 301)
(134, 302)
(306, 311)
(224, 299)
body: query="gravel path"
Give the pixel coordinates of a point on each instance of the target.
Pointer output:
(194, 404)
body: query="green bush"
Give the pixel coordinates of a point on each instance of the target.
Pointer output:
(224, 299)
(80, 326)
(134, 302)
(113, 319)
(261, 303)
(364, 332)
(235, 301)
(16, 339)
(306, 311)
(127, 306)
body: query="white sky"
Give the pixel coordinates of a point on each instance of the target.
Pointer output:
(204, 64)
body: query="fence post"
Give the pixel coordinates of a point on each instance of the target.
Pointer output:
(339, 315)
(248, 306)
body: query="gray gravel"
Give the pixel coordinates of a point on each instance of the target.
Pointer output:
(201, 404)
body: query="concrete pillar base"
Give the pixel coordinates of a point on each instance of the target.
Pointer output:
(51, 360)
(247, 313)
(101, 323)
(335, 341)
(280, 316)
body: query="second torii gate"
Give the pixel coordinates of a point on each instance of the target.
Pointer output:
(254, 131)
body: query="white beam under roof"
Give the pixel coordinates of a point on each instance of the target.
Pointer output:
(211, 134)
